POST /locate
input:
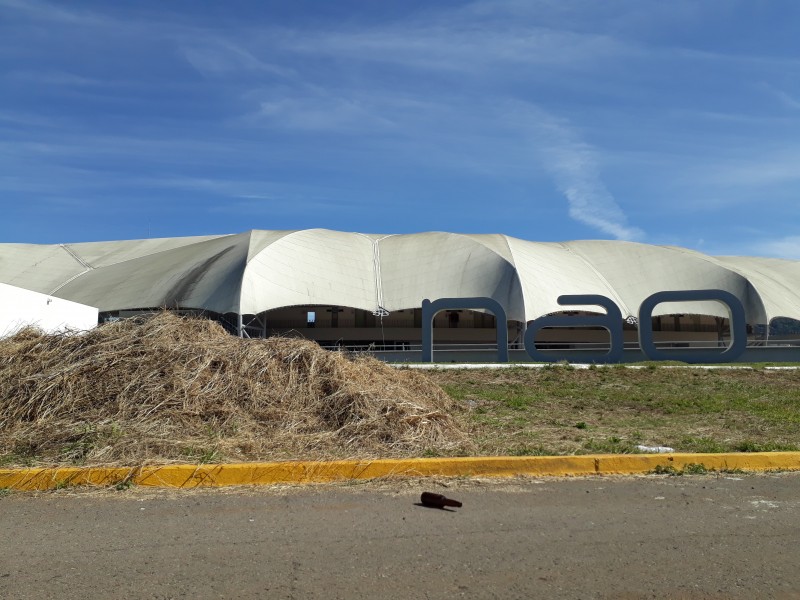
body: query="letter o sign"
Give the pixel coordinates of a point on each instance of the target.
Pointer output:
(738, 327)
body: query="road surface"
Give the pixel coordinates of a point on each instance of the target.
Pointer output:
(727, 536)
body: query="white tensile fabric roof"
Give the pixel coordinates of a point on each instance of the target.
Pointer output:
(252, 272)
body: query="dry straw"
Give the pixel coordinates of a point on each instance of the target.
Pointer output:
(166, 388)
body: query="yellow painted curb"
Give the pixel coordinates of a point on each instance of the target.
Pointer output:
(191, 476)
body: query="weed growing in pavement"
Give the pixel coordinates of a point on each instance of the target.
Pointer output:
(666, 470)
(734, 471)
(695, 469)
(689, 469)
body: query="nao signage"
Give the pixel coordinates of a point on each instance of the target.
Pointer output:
(611, 321)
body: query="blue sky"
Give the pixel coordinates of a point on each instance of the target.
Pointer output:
(660, 122)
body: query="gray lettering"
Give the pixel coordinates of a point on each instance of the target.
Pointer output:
(429, 310)
(612, 321)
(737, 320)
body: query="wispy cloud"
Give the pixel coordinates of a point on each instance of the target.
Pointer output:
(574, 165)
(322, 113)
(627, 111)
(760, 168)
(245, 189)
(464, 49)
(785, 247)
(513, 131)
(47, 11)
(216, 56)
(787, 100)
(54, 78)
(439, 115)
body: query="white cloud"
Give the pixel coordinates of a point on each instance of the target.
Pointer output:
(505, 137)
(573, 164)
(786, 247)
(762, 168)
(47, 11)
(323, 113)
(216, 56)
(54, 78)
(783, 97)
(463, 49)
(474, 92)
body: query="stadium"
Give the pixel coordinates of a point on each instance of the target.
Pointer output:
(364, 291)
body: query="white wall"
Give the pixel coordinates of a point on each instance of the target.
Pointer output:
(20, 307)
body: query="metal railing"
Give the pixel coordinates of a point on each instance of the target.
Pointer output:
(556, 346)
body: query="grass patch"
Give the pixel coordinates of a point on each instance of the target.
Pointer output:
(203, 455)
(612, 410)
(528, 450)
(611, 445)
(765, 446)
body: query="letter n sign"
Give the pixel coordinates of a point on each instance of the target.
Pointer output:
(429, 310)
(738, 327)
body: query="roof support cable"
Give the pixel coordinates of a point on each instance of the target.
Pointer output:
(379, 311)
(86, 267)
(74, 255)
(609, 288)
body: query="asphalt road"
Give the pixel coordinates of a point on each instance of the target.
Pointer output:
(730, 536)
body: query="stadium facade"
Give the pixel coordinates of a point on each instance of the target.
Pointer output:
(358, 289)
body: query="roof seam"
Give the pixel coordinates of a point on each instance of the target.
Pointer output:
(70, 280)
(86, 266)
(510, 251)
(602, 278)
(75, 255)
(286, 233)
(713, 261)
(210, 238)
(519, 278)
(376, 265)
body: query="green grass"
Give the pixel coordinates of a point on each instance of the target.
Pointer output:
(203, 455)
(690, 469)
(123, 485)
(556, 410)
(19, 455)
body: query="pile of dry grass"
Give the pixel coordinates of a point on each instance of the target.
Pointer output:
(166, 388)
